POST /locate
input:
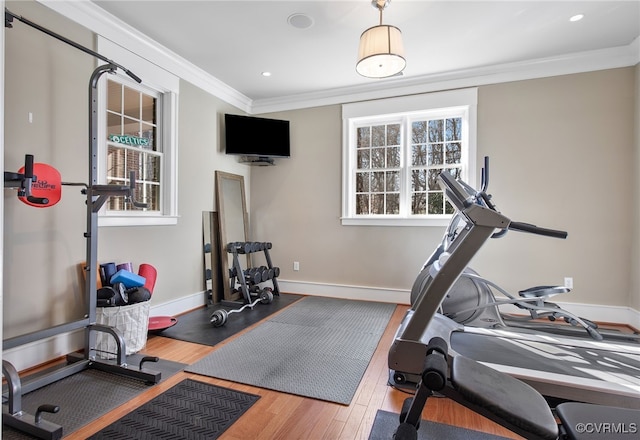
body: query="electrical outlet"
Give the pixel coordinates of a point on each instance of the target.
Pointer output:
(568, 282)
(296, 265)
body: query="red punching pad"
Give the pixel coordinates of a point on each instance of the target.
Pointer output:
(47, 189)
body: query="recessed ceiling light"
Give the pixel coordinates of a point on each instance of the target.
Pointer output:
(300, 21)
(266, 73)
(577, 17)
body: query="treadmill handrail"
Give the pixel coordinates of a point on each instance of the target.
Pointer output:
(533, 229)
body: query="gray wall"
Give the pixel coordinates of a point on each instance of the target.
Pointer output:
(43, 247)
(561, 154)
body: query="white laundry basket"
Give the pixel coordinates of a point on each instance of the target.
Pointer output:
(133, 323)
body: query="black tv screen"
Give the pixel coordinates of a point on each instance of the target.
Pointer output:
(261, 137)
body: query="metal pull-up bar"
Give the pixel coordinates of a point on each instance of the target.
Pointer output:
(8, 22)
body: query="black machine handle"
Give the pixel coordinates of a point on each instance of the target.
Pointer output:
(533, 229)
(29, 178)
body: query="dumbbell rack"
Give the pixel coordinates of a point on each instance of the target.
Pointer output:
(248, 282)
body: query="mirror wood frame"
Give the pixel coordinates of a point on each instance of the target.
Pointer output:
(231, 212)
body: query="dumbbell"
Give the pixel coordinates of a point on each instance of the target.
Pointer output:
(276, 272)
(253, 275)
(219, 317)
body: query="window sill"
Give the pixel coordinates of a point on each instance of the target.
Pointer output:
(164, 220)
(368, 221)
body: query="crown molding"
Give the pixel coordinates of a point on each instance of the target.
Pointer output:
(96, 19)
(611, 58)
(87, 14)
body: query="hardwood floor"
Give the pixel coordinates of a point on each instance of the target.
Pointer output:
(283, 416)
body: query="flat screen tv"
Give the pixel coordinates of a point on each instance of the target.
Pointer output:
(257, 137)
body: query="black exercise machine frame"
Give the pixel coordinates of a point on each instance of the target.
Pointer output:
(495, 395)
(97, 195)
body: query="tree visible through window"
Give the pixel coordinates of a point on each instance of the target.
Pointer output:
(395, 149)
(378, 171)
(436, 146)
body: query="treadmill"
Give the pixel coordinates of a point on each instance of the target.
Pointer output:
(559, 367)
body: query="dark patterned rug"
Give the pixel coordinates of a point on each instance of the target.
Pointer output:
(191, 410)
(88, 395)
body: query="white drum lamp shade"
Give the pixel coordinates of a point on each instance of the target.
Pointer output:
(381, 53)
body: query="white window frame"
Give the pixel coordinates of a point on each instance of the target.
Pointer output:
(440, 104)
(166, 85)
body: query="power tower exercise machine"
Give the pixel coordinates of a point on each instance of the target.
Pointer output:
(96, 196)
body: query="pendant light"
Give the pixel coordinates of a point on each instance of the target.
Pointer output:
(381, 53)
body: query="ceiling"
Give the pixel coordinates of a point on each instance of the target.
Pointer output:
(235, 41)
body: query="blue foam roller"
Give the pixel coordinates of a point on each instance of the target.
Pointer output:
(129, 279)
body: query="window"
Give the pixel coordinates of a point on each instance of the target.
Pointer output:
(133, 145)
(392, 160)
(138, 133)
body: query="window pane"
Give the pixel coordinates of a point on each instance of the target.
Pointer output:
(435, 154)
(448, 209)
(393, 203)
(418, 180)
(419, 155)
(393, 181)
(393, 157)
(393, 134)
(131, 127)
(418, 204)
(116, 164)
(362, 204)
(377, 203)
(148, 109)
(377, 157)
(419, 132)
(377, 136)
(377, 181)
(454, 151)
(149, 133)
(114, 124)
(454, 129)
(364, 159)
(433, 179)
(362, 182)
(436, 131)
(436, 203)
(131, 102)
(114, 97)
(455, 172)
(150, 171)
(364, 137)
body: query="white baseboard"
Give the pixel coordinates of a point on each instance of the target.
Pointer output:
(395, 296)
(40, 352)
(594, 312)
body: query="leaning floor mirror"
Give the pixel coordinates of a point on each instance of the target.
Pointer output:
(232, 224)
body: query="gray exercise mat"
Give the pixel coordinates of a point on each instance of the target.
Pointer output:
(318, 347)
(88, 395)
